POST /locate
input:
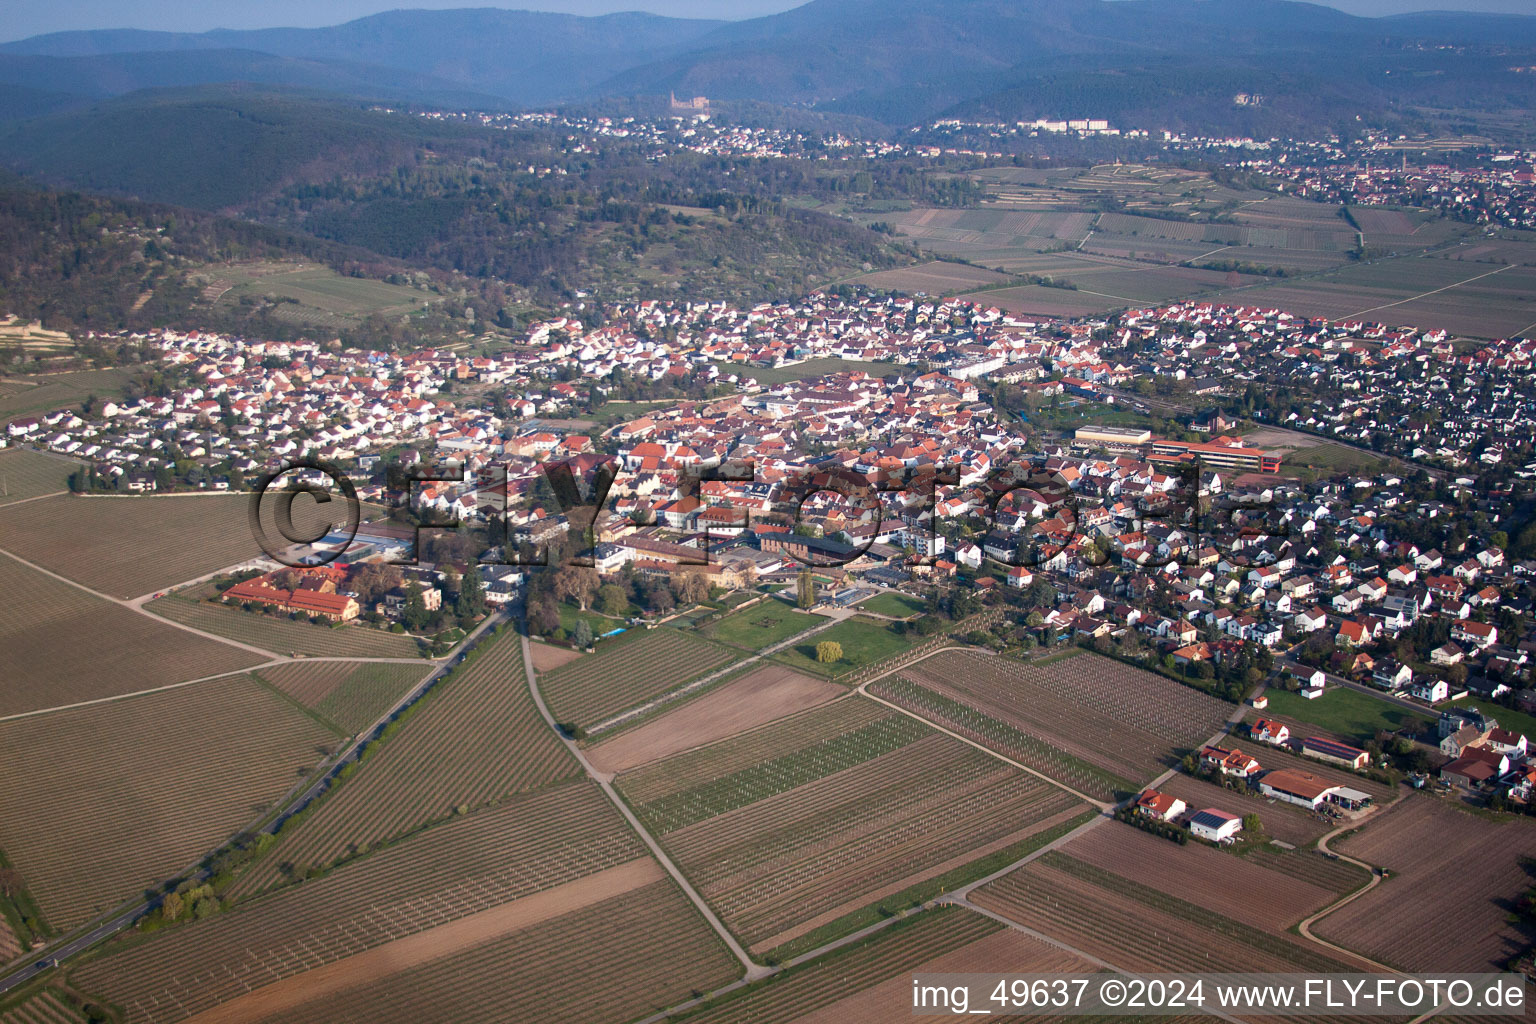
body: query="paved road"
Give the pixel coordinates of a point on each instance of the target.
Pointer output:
(295, 801)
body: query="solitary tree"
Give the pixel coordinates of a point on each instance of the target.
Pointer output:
(415, 613)
(575, 584)
(690, 587)
(471, 592)
(581, 636)
(805, 595)
(611, 599)
(829, 651)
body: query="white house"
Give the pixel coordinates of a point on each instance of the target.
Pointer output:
(1215, 826)
(1267, 730)
(1432, 690)
(1159, 806)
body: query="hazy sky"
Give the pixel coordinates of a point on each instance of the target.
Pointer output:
(22, 18)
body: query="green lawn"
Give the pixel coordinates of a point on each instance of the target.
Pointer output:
(864, 641)
(773, 376)
(762, 625)
(570, 615)
(897, 606)
(1515, 721)
(1343, 711)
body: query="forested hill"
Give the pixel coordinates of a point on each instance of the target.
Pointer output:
(463, 199)
(519, 56)
(81, 262)
(218, 147)
(899, 61)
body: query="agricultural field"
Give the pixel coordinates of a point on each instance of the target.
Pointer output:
(28, 474)
(653, 661)
(864, 641)
(280, 634)
(1099, 726)
(1285, 822)
(475, 741)
(992, 237)
(516, 877)
(1453, 875)
(64, 646)
(826, 826)
(1039, 300)
(870, 982)
(1138, 928)
(311, 294)
(350, 695)
(48, 1006)
(1467, 299)
(104, 801)
(1347, 713)
(29, 394)
(937, 278)
(132, 546)
(755, 699)
(766, 623)
(1234, 887)
(597, 961)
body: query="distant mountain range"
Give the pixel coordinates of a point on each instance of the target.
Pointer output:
(895, 60)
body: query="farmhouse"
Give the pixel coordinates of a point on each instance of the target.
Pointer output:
(1307, 790)
(1228, 762)
(1469, 771)
(1215, 826)
(1296, 787)
(1334, 752)
(313, 592)
(1159, 806)
(1267, 730)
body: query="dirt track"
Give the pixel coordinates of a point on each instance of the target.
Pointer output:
(391, 958)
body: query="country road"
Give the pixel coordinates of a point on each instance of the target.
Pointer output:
(605, 783)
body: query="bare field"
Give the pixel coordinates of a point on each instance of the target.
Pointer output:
(755, 699)
(1093, 723)
(1218, 881)
(547, 657)
(64, 646)
(131, 546)
(103, 801)
(1452, 875)
(476, 741)
(27, 474)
